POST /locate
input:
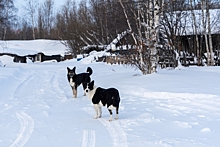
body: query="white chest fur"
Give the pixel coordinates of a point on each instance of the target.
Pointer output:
(72, 83)
(91, 93)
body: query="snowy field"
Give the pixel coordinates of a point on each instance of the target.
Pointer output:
(171, 108)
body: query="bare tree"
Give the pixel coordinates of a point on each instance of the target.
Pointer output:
(195, 27)
(31, 7)
(46, 19)
(154, 31)
(7, 16)
(128, 23)
(145, 36)
(48, 16)
(209, 33)
(41, 23)
(205, 4)
(67, 26)
(204, 22)
(173, 22)
(108, 19)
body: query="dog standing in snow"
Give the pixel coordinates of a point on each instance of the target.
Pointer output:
(77, 79)
(101, 97)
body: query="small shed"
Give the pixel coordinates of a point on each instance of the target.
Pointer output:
(41, 57)
(20, 59)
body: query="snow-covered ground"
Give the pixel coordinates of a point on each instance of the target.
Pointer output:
(171, 108)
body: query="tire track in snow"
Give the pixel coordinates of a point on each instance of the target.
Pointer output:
(118, 136)
(88, 138)
(58, 86)
(26, 129)
(12, 101)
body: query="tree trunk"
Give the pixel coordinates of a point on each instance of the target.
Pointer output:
(195, 30)
(128, 22)
(33, 27)
(154, 22)
(204, 31)
(210, 37)
(140, 49)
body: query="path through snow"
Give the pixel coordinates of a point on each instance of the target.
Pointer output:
(26, 129)
(158, 110)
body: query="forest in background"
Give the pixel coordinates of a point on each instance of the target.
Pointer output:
(154, 30)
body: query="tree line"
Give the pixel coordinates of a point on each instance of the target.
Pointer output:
(149, 26)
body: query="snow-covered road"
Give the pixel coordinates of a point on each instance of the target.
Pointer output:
(173, 108)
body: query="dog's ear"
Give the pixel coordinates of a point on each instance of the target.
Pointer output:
(68, 69)
(74, 69)
(92, 83)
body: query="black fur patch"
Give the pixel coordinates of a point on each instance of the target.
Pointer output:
(108, 97)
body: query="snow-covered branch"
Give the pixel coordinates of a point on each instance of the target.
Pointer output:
(112, 45)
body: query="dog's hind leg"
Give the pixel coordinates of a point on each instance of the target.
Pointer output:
(116, 117)
(100, 111)
(84, 87)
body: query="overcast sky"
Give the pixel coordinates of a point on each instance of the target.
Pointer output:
(21, 3)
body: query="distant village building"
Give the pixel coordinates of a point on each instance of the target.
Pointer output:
(20, 59)
(21, 51)
(41, 57)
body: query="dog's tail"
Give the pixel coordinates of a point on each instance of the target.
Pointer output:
(116, 99)
(89, 70)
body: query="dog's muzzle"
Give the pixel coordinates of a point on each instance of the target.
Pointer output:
(71, 75)
(87, 91)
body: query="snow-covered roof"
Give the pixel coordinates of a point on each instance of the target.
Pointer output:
(20, 47)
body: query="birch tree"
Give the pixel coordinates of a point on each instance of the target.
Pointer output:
(138, 61)
(146, 14)
(31, 7)
(204, 22)
(209, 33)
(154, 24)
(195, 30)
(207, 29)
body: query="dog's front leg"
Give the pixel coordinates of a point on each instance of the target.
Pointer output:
(84, 93)
(74, 92)
(110, 111)
(84, 87)
(96, 107)
(100, 111)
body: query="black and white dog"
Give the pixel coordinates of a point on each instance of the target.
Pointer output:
(101, 97)
(76, 79)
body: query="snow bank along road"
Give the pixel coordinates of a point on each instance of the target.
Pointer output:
(37, 109)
